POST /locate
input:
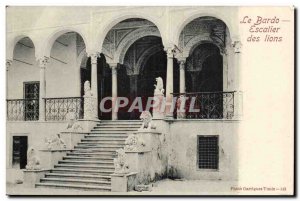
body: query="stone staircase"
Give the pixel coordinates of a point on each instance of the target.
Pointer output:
(89, 165)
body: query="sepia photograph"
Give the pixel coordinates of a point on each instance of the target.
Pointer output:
(149, 100)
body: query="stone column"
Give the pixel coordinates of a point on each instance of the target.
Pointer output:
(169, 83)
(238, 96)
(42, 63)
(8, 64)
(182, 75)
(114, 94)
(236, 45)
(94, 78)
(181, 115)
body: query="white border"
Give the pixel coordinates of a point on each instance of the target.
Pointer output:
(3, 3)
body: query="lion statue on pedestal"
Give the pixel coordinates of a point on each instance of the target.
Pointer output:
(33, 161)
(146, 117)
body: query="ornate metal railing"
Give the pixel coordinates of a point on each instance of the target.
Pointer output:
(207, 105)
(58, 108)
(22, 109)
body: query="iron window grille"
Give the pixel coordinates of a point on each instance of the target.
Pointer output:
(208, 152)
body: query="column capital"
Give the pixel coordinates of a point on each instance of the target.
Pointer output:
(114, 67)
(43, 61)
(8, 63)
(237, 45)
(94, 56)
(170, 51)
(181, 60)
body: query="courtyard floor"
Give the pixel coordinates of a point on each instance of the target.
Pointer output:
(163, 187)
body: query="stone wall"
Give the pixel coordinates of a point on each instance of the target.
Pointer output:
(183, 149)
(36, 133)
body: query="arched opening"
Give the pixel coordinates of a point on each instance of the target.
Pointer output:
(64, 97)
(204, 41)
(205, 69)
(144, 61)
(137, 46)
(23, 83)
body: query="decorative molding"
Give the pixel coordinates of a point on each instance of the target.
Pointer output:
(170, 51)
(43, 61)
(8, 63)
(237, 45)
(131, 38)
(94, 56)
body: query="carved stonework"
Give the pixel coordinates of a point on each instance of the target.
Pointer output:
(33, 161)
(8, 63)
(90, 104)
(120, 163)
(55, 142)
(114, 68)
(159, 87)
(237, 46)
(170, 52)
(133, 36)
(73, 125)
(134, 143)
(94, 57)
(146, 117)
(43, 62)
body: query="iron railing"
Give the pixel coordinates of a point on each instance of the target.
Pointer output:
(58, 108)
(208, 105)
(22, 109)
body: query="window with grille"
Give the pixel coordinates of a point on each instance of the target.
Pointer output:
(31, 100)
(208, 152)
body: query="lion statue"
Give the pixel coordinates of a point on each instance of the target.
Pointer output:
(133, 143)
(33, 161)
(146, 117)
(120, 163)
(73, 125)
(159, 86)
(55, 142)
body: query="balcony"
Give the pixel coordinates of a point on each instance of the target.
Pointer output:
(208, 105)
(56, 109)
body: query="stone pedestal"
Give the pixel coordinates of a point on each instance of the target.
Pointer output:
(123, 182)
(31, 177)
(143, 156)
(49, 158)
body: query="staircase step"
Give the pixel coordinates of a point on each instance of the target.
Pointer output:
(81, 171)
(103, 140)
(74, 162)
(78, 176)
(88, 158)
(92, 167)
(75, 181)
(111, 142)
(97, 150)
(81, 187)
(120, 121)
(106, 136)
(118, 126)
(114, 129)
(93, 154)
(86, 146)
